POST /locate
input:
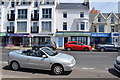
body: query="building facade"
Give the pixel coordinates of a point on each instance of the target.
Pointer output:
(72, 23)
(30, 22)
(104, 28)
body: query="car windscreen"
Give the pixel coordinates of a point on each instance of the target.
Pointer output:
(50, 52)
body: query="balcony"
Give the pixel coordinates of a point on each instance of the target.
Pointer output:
(34, 29)
(35, 17)
(11, 17)
(10, 29)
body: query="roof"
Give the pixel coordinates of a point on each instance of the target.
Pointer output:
(72, 6)
(92, 16)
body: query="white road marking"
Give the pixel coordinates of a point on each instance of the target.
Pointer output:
(88, 68)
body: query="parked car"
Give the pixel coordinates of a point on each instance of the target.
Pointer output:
(44, 58)
(51, 45)
(117, 64)
(106, 47)
(75, 45)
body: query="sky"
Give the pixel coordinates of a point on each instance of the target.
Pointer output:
(104, 6)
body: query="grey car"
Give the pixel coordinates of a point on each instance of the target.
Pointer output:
(107, 47)
(117, 64)
(44, 58)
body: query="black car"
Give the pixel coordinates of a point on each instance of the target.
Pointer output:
(106, 47)
(51, 45)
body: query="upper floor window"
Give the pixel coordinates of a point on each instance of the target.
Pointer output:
(22, 13)
(47, 13)
(22, 26)
(36, 4)
(0, 13)
(46, 26)
(82, 26)
(25, 2)
(64, 14)
(112, 29)
(12, 4)
(112, 19)
(95, 29)
(101, 28)
(64, 25)
(49, 1)
(81, 14)
(99, 19)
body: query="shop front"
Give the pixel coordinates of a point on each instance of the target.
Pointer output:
(100, 38)
(115, 38)
(63, 37)
(17, 39)
(2, 39)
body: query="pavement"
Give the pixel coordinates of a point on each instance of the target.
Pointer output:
(18, 47)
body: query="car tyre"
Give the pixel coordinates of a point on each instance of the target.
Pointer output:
(57, 69)
(86, 49)
(69, 49)
(102, 49)
(15, 66)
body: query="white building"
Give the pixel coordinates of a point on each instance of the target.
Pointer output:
(31, 21)
(72, 23)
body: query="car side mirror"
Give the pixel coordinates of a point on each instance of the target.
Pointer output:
(44, 56)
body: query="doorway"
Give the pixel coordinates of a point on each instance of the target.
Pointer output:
(65, 40)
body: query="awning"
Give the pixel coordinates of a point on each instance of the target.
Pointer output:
(40, 35)
(67, 34)
(2, 34)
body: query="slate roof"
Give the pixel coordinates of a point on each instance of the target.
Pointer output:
(72, 6)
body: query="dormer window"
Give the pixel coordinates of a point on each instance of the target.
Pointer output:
(112, 19)
(99, 19)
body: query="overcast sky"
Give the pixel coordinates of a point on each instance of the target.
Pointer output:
(104, 6)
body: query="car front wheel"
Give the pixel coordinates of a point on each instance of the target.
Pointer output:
(86, 49)
(15, 65)
(57, 69)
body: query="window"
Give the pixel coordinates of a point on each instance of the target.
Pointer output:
(82, 27)
(47, 13)
(22, 26)
(77, 26)
(81, 14)
(35, 25)
(22, 13)
(112, 29)
(101, 28)
(64, 14)
(36, 4)
(12, 4)
(95, 29)
(99, 19)
(64, 26)
(112, 19)
(36, 14)
(11, 26)
(46, 26)
(0, 13)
